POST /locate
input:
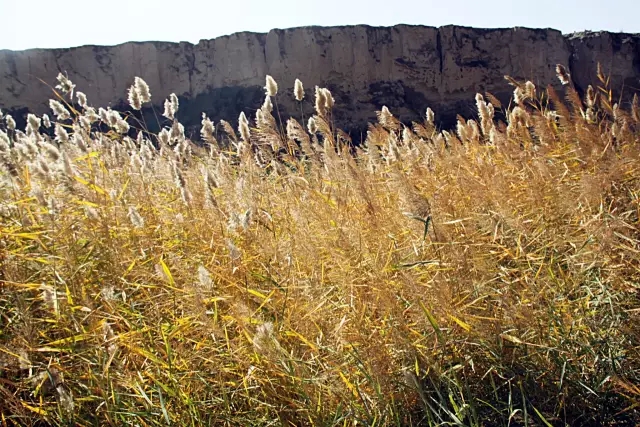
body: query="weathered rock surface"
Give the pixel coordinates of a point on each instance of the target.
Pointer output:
(407, 68)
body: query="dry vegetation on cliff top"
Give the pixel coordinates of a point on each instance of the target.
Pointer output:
(488, 276)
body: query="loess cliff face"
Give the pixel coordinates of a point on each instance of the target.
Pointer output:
(407, 68)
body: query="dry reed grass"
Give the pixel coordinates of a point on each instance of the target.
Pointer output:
(277, 278)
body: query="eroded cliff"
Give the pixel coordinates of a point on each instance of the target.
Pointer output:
(407, 68)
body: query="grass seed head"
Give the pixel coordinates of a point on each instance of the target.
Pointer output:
(387, 120)
(51, 151)
(204, 277)
(143, 90)
(298, 90)
(174, 102)
(563, 74)
(518, 95)
(61, 134)
(267, 106)
(50, 297)
(329, 102)
(113, 117)
(5, 142)
(590, 97)
(271, 87)
(66, 399)
(243, 127)
(430, 117)
(91, 115)
(208, 129)
(46, 122)
(104, 115)
(635, 109)
(321, 102)
(82, 99)
(530, 90)
(134, 98)
(78, 139)
(171, 106)
(164, 136)
(168, 110)
(59, 110)
(33, 124)
(312, 126)
(135, 217)
(85, 123)
(11, 124)
(65, 85)
(121, 126)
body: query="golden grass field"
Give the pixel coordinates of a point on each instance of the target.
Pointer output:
(274, 273)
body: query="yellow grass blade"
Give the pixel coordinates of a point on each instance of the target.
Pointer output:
(90, 185)
(144, 353)
(38, 411)
(74, 339)
(460, 323)
(257, 294)
(167, 272)
(349, 385)
(511, 338)
(124, 188)
(303, 339)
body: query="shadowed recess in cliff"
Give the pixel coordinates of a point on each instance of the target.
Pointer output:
(224, 103)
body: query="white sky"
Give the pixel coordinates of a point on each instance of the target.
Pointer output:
(49, 24)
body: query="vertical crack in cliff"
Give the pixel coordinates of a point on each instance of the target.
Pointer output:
(572, 57)
(262, 39)
(439, 49)
(191, 67)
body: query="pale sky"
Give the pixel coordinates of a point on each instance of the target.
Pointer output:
(59, 24)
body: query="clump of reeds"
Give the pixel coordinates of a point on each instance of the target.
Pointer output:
(485, 274)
